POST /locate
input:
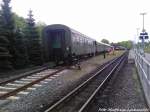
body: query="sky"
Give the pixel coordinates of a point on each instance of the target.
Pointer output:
(114, 20)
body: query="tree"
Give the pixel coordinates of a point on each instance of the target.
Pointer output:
(20, 44)
(127, 44)
(5, 56)
(34, 47)
(105, 41)
(20, 22)
(9, 28)
(40, 26)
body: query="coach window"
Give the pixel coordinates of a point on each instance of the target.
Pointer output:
(78, 40)
(89, 42)
(73, 35)
(84, 41)
(75, 38)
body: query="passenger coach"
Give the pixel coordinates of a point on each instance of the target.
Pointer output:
(61, 42)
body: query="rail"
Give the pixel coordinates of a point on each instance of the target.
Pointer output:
(26, 85)
(72, 101)
(86, 105)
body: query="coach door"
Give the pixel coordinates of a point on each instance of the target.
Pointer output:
(57, 37)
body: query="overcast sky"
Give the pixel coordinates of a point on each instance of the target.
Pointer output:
(115, 20)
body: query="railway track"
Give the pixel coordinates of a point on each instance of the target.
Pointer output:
(14, 88)
(78, 100)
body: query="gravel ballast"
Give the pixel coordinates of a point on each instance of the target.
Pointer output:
(124, 93)
(50, 92)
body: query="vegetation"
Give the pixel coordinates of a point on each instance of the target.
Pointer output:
(40, 26)
(9, 29)
(20, 22)
(5, 56)
(22, 57)
(33, 43)
(105, 41)
(127, 44)
(20, 40)
(147, 47)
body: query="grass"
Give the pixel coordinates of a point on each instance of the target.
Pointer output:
(147, 49)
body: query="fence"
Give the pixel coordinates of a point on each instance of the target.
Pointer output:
(143, 68)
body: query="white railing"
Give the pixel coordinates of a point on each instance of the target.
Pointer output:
(143, 68)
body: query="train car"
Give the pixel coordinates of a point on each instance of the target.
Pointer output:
(61, 42)
(108, 47)
(81, 44)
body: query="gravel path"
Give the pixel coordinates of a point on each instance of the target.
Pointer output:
(124, 94)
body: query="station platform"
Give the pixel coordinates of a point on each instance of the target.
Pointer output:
(147, 56)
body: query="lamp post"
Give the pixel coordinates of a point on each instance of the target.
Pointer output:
(143, 14)
(143, 35)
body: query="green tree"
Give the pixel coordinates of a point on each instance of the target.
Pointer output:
(9, 28)
(105, 41)
(34, 46)
(20, 22)
(127, 44)
(5, 56)
(40, 26)
(20, 44)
